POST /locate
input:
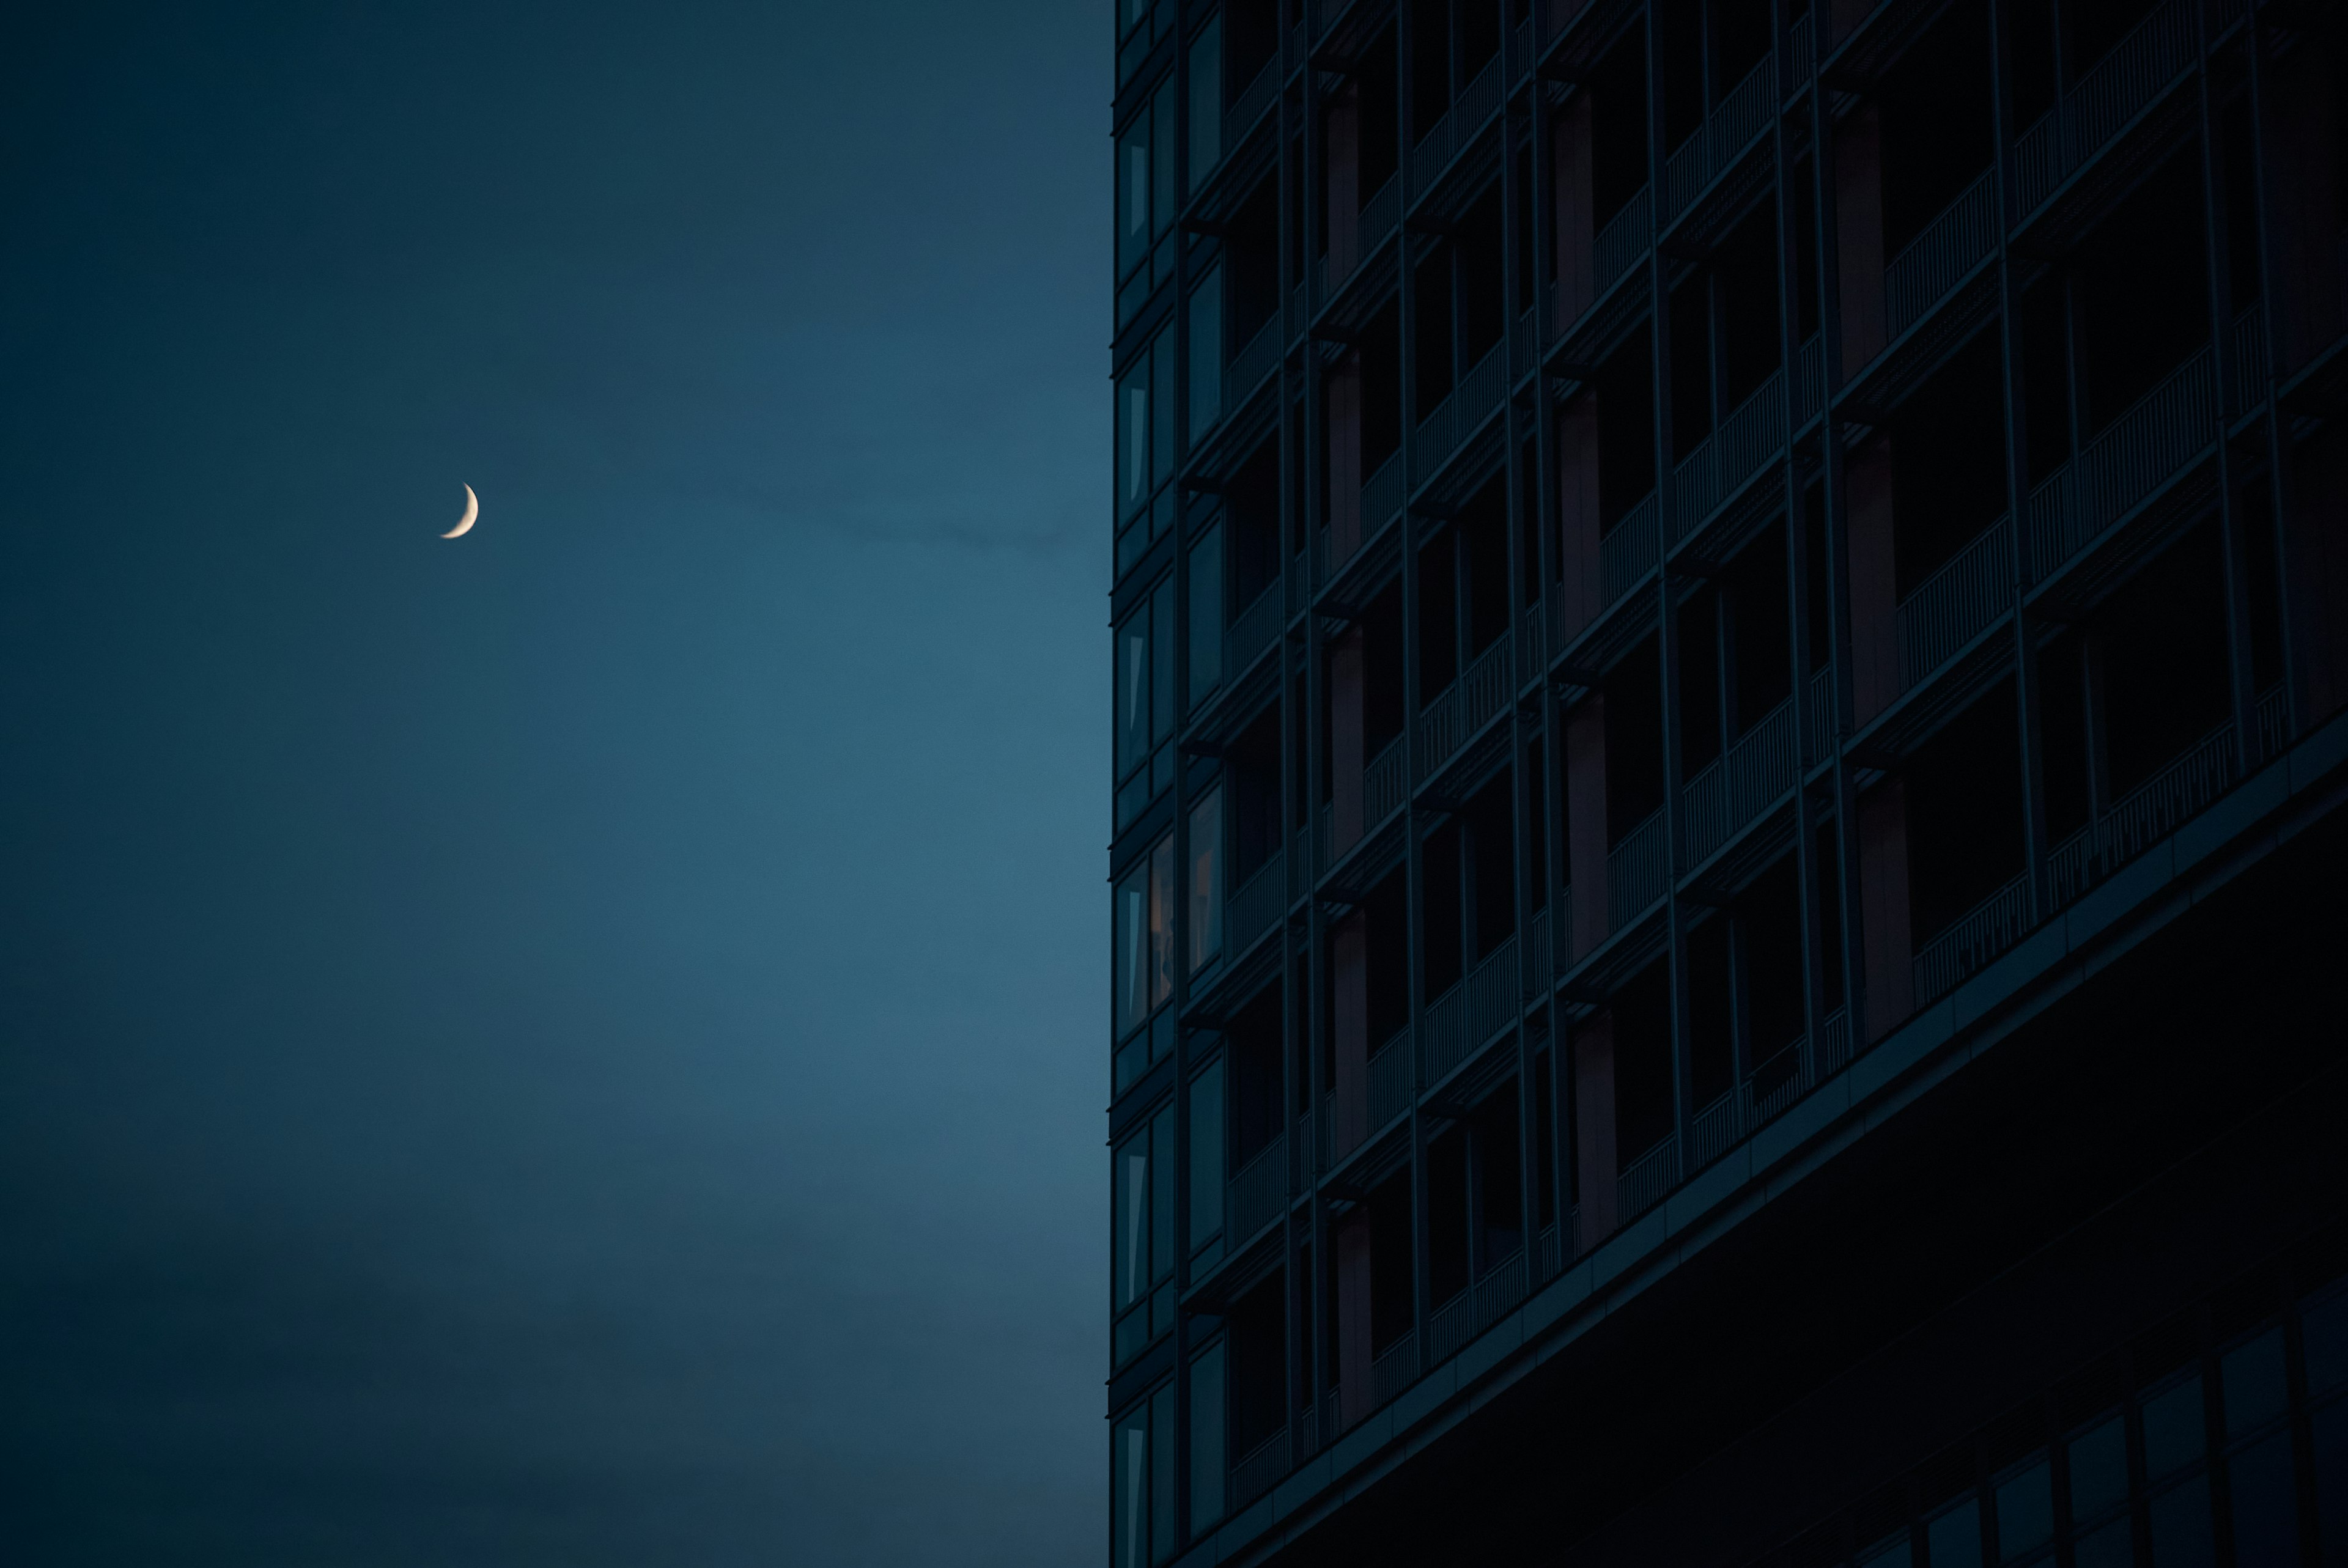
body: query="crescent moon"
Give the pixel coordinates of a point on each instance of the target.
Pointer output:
(472, 510)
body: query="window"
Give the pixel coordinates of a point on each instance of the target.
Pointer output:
(1206, 100)
(1206, 879)
(1143, 437)
(1206, 353)
(1142, 661)
(1207, 1156)
(1146, 199)
(1206, 614)
(1207, 1459)
(1145, 937)
(1142, 1237)
(1141, 1489)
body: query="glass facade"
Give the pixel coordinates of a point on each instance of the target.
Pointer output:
(1658, 548)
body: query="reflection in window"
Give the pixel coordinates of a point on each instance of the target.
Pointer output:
(1207, 1458)
(1206, 353)
(1145, 939)
(1206, 880)
(1142, 1237)
(1206, 613)
(1206, 101)
(1141, 1504)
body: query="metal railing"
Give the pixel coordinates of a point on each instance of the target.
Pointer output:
(1384, 784)
(1809, 381)
(1739, 784)
(1380, 213)
(2246, 362)
(1718, 1128)
(1629, 551)
(1476, 1308)
(1395, 1370)
(1649, 1180)
(1956, 603)
(1248, 367)
(1540, 960)
(1392, 1080)
(1476, 103)
(1622, 241)
(1637, 869)
(1472, 1011)
(1732, 453)
(1256, 1196)
(1548, 1247)
(1801, 45)
(2137, 453)
(1479, 393)
(1521, 47)
(1993, 926)
(1260, 1470)
(1532, 641)
(1382, 496)
(1834, 1044)
(1731, 127)
(2273, 717)
(1254, 628)
(2150, 812)
(2139, 67)
(1465, 706)
(1245, 109)
(1822, 719)
(1961, 238)
(1256, 905)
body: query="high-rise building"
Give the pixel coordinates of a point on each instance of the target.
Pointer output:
(1730, 631)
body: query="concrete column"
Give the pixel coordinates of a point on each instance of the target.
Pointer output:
(1585, 821)
(1883, 907)
(1874, 580)
(1349, 1031)
(1344, 185)
(1354, 1396)
(1593, 1127)
(1583, 593)
(1859, 236)
(1577, 232)
(1346, 709)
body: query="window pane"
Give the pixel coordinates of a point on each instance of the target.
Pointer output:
(1206, 353)
(1131, 13)
(1954, 1540)
(1206, 614)
(1131, 1241)
(1161, 1193)
(1206, 1437)
(2111, 1546)
(1161, 428)
(2180, 1526)
(2266, 1505)
(1131, 653)
(1894, 1552)
(1206, 880)
(2098, 1469)
(1132, 436)
(2025, 1512)
(1161, 920)
(1133, 196)
(1207, 1155)
(1206, 101)
(1161, 657)
(1132, 954)
(2173, 1431)
(2330, 1444)
(1163, 199)
(2253, 1380)
(1131, 1501)
(2323, 1339)
(1161, 1475)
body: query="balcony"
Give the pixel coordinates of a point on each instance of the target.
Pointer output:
(1477, 102)
(1258, 1470)
(1629, 551)
(1743, 445)
(1768, 1091)
(1393, 1080)
(1255, 629)
(1472, 1011)
(2130, 79)
(1732, 126)
(1255, 1197)
(1465, 707)
(1638, 869)
(1451, 1326)
(1648, 1181)
(1930, 267)
(1956, 603)
(1248, 108)
(1457, 417)
(1993, 926)
(1251, 367)
(1739, 785)
(1256, 905)
(2138, 454)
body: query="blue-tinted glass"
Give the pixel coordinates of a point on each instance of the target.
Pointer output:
(1164, 199)
(1132, 1336)
(1130, 1229)
(2025, 1512)
(2109, 1546)
(1161, 661)
(1132, 965)
(1206, 615)
(1161, 1193)
(1161, 1475)
(2331, 1445)
(2180, 1527)
(2252, 1376)
(2174, 1433)
(1132, 437)
(1129, 1491)
(2323, 1337)
(1161, 427)
(1207, 1458)
(1206, 101)
(1206, 353)
(1953, 1538)
(2098, 1469)
(1133, 196)
(2266, 1505)
(1893, 1552)
(1207, 1155)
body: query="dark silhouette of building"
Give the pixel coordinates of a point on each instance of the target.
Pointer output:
(1730, 632)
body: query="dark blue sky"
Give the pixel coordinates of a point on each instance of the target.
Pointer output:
(581, 1044)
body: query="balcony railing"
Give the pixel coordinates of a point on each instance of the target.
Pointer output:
(1648, 1181)
(1622, 241)
(1540, 963)
(2153, 810)
(1726, 132)
(1476, 103)
(1258, 1193)
(1479, 393)
(2139, 67)
(2246, 362)
(1466, 706)
(1392, 1080)
(1800, 45)
(1822, 719)
(1532, 641)
(2137, 453)
(1254, 630)
(1637, 869)
(1380, 213)
(1472, 1011)
(1629, 551)
(1260, 1470)
(1256, 905)
(1249, 107)
(1739, 784)
(1961, 238)
(1248, 367)
(1809, 382)
(1451, 1326)
(1956, 603)
(1395, 1370)
(1993, 926)
(1382, 496)
(1384, 784)
(1732, 453)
